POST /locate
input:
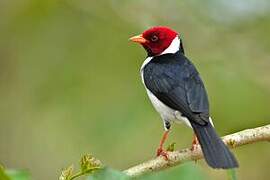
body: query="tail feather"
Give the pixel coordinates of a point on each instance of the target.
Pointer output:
(216, 153)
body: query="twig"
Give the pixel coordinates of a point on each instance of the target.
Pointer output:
(247, 136)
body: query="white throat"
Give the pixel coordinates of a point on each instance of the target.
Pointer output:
(174, 46)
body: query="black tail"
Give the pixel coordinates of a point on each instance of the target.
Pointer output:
(216, 153)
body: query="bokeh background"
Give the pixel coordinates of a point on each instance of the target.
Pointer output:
(70, 82)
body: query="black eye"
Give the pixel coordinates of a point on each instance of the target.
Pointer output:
(154, 38)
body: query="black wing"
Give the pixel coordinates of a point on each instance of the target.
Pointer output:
(174, 80)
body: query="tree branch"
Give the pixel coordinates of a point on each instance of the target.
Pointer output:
(247, 136)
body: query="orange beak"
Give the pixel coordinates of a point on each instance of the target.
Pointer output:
(138, 39)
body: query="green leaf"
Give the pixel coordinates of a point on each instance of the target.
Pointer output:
(13, 174)
(3, 175)
(232, 174)
(188, 171)
(89, 163)
(108, 174)
(18, 175)
(171, 147)
(67, 173)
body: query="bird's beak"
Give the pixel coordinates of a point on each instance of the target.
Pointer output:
(138, 39)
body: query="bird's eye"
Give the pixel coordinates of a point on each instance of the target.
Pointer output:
(154, 38)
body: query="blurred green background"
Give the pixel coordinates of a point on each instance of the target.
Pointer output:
(70, 82)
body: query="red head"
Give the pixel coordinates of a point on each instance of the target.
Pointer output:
(156, 39)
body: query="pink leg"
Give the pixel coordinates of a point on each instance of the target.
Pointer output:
(160, 150)
(195, 142)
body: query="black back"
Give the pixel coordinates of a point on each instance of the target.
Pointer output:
(174, 80)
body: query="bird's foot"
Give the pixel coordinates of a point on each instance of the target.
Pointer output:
(162, 152)
(195, 144)
(194, 147)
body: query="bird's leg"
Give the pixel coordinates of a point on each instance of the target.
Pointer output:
(195, 143)
(160, 150)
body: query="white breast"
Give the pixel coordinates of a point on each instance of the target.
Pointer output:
(165, 112)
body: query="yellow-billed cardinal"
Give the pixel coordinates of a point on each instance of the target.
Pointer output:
(177, 92)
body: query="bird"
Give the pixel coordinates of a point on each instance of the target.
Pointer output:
(177, 92)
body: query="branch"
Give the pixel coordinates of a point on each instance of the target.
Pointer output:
(247, 136)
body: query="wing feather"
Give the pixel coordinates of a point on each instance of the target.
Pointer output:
(174, 80)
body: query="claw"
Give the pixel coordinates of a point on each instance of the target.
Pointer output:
(195, 143)
(162, 152)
